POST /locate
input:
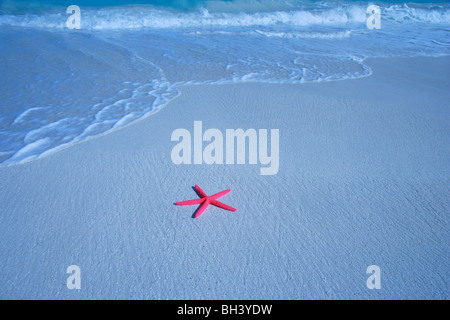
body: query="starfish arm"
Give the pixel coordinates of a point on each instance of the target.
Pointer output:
(219, 194)
(201, 192)
(201, 209)
(222, 205)
(188, 202)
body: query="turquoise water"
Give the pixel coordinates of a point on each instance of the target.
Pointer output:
(24, 6)
(60, 86)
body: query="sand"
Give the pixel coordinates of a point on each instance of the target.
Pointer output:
(363, 180)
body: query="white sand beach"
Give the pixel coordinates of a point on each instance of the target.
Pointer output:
(363, 180)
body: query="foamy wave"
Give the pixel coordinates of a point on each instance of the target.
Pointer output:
(437, 14)
(66, 87)
(306, 35)
(136, 18)
(149, 17)
(66, 131)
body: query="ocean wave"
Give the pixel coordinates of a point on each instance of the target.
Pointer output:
(306, 35)
(137, 17)
(430, 14)
(60, 88)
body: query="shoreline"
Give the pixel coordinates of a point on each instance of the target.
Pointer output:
(363, 180)
(179, 88)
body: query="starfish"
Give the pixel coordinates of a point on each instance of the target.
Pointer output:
(206, 200)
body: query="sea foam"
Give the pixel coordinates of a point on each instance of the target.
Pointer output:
(60, 86)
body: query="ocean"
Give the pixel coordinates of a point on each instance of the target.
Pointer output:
(59, 87)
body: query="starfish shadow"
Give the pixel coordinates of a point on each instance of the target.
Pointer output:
(195, 190)
(193, 215)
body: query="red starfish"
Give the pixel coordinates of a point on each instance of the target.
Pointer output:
(205, 200)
